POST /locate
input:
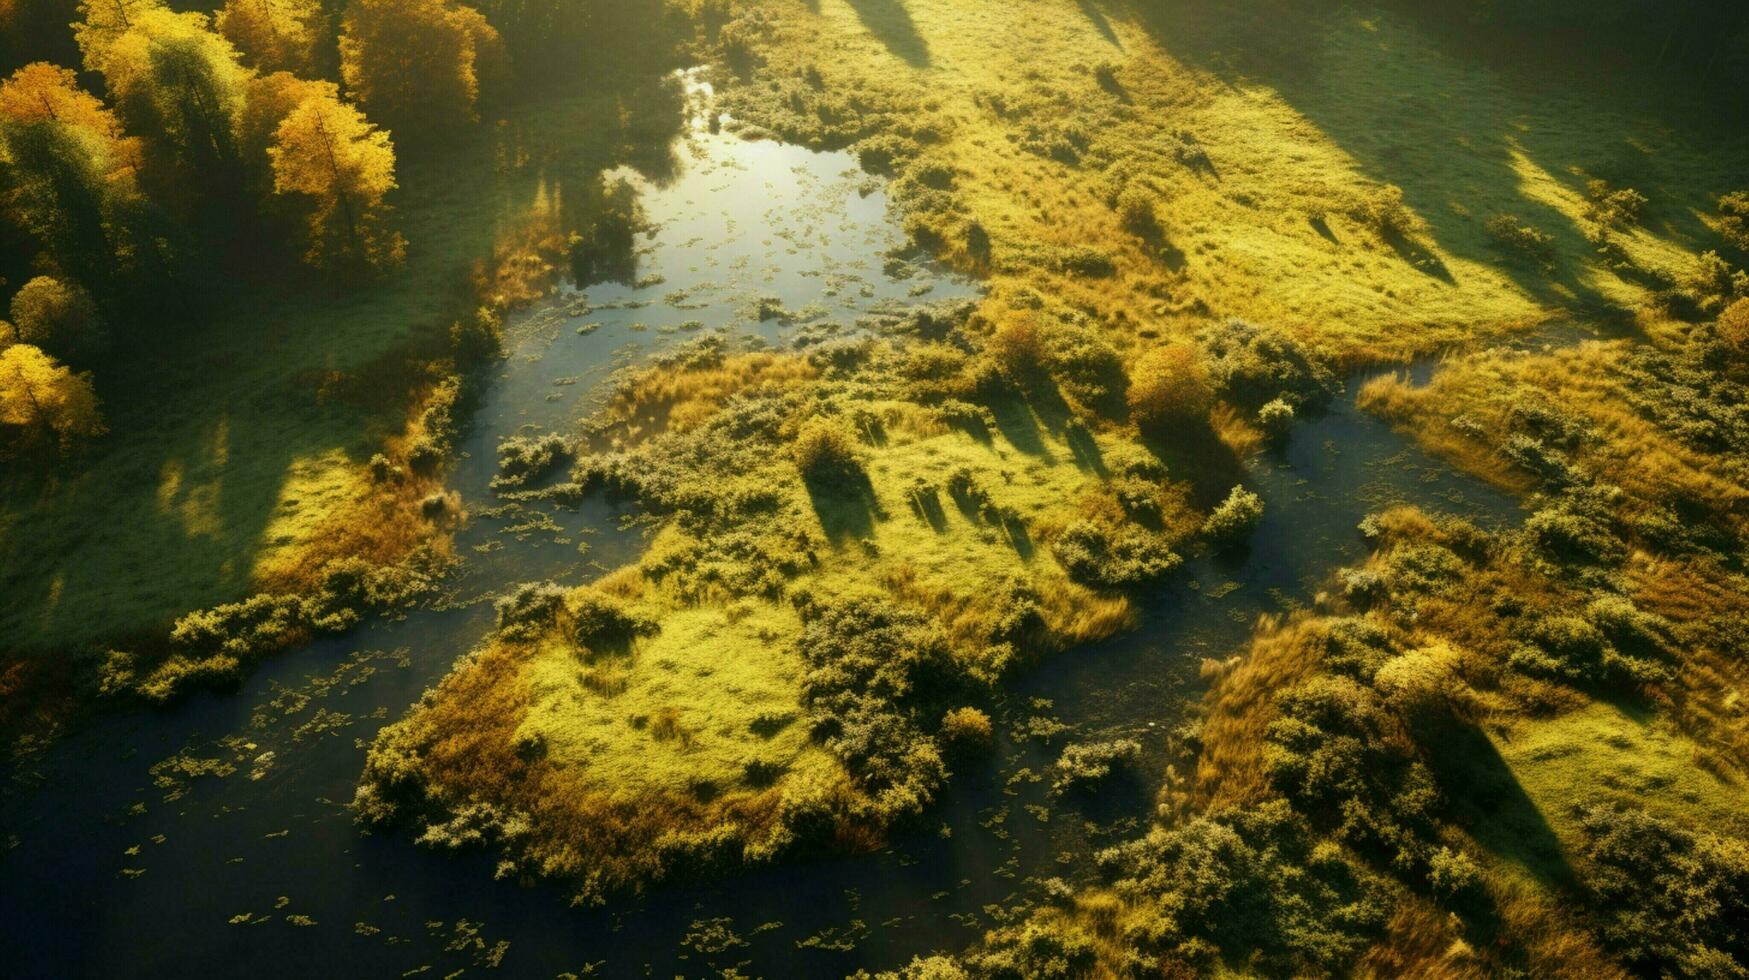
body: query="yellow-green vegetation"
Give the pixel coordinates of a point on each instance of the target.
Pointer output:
(1480, 752)
(245, 438)
(855, 542)
(1344, 174)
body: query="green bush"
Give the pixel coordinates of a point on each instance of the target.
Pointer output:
(1233, 520)
(600, 621)
(1614, 207)
(1672, 899)
(1083, 766)
(530, 608)
(1093, 553)
(525, 458)
(1247, 885)
(1252, 366)
(1734, 219)
(1169, 386)
(871, 667)
(59, 317)
(1521, 241)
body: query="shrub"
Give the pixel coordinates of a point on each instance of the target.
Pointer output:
(978, 245)
(1088, 368)
(1083, 261)
(1085, 765)
(1672, 898)
(1734, 219)
(599, 620)
(868, 662)
(1453, 874)
(525, 458)
(1090, 552)
(967, 729)
(1424, 687)
(1616, 208)
(1276, 418)
(1515, 238)
(1716, 283)
(530, 608)
(1248, 884)
(1568, 533)
(59, 317)
(1384, 213)
(1018, 349)
(1138, 211)
(826, 453)
(1167, 385)
(1234, 518)
(1733, 328)
(1253, 366)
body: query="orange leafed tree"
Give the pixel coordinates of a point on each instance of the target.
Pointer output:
(273, 34)
(416, 65)
(326, 150)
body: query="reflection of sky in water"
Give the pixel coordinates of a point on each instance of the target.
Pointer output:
(174, 844)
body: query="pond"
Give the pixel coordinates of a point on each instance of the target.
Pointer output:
(216, 840)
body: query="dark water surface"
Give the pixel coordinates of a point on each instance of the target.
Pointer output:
(215, 840)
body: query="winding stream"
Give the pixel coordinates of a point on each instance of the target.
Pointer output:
(216, 841)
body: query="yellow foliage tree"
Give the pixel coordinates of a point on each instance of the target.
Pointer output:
(67, 161)
(415, 65)
(41, 399)
(42, 93)
(326, 150)
(175, 82)
(273, 34)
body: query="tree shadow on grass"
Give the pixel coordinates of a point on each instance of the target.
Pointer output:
(1020, 426)
(891, 24)
(1464, 131)
(1488, 801)
(1193, 453)
(845, 504)
(1101, 23)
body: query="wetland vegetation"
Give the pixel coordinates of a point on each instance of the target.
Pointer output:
(919, 488)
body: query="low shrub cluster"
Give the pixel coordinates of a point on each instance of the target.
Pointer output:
(1252, 366)
(1084, 766)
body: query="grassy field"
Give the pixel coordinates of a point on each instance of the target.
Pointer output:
(1357, 154)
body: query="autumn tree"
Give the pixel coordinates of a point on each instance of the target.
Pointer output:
(274, 35)
(42, 400)
(178, 85)
(65, 164)
(416, 65)
(57, 316)
(328, 152)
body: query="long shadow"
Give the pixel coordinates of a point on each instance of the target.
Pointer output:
(1489, 802)
(1195, 454)
(1017, 423)
(891, 24)
(846, 506)
(1101, 23)
(1464, 132)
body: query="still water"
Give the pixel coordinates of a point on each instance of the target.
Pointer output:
(216, 841)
